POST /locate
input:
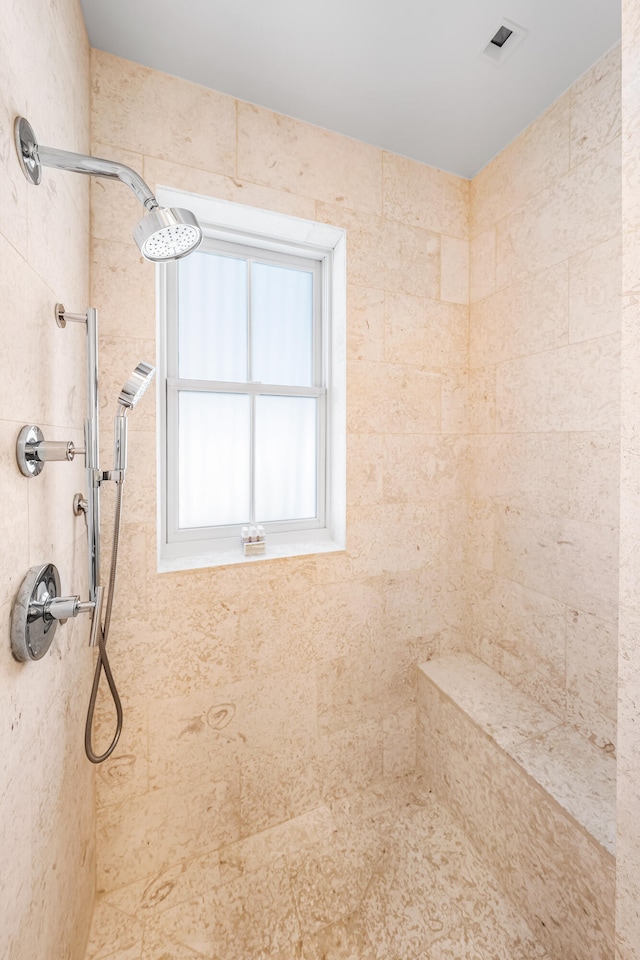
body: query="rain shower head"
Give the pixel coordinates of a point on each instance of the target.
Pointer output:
(136, 385)
(167, 234)
(163, 234)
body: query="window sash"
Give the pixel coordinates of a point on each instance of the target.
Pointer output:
(224, 535)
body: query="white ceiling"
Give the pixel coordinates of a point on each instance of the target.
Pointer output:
(405, 75)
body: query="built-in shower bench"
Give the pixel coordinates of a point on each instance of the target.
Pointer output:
(536, 798)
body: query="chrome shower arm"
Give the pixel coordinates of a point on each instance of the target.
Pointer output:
(33, 157)
(97, 167)
(162, 234)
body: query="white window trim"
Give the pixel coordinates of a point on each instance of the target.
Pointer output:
(229, 221)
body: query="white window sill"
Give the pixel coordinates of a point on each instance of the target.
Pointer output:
(222, 558)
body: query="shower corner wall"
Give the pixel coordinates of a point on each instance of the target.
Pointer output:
(628, 800)
(47, 802)
(544, 408)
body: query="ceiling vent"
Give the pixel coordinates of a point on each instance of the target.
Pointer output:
(506, 37)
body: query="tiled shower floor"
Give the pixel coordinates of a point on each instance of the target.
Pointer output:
(382, 875)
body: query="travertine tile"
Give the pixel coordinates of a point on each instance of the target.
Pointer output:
(53, 529)
(596, 107)
(191, 821)
(46, 788)
(580, 776)
(14, 491)
(249, 855)
(195, 180)
(399, 746)
(535, 159)
(429, 859)
(343, 940)
(594, 477)
(365, 469)
(426, 333)
(595, 305)
(126, 773)
(198, 657)
(115, 210)
(279, 151)
(60, 207)
(13, 185)
(480, 539)
(157, 946)
(549, 866)
(568, 560)
(203, 734)
(122, 278)
(246, 919)
(527, 471)
(172, 885)
(576, 212)
(330, 878)
(344, 618)
(113, 934)
(454, 400)
(387, 253)
(392, 398)
(278, 787)
(354, 689)
(365, 323)
(482, 271)
(25, 393)
(418, 467)
(424, 603)
(350, 759)
(152, 113)
(532, 395)
(592, 665)
(425, 197)
(521, 634)
(527, 317)
(482, 400)
(506, 715)
(454, 281)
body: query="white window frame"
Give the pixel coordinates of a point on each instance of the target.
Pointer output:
(285, 236)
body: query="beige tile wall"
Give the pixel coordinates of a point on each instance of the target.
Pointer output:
(254, 694)
(46, 784)
(628, 838)
(545, 225)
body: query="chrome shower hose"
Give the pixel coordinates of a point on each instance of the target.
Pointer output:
(102, 662)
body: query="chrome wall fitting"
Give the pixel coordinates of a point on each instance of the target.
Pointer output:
(33, 451)
(162, 234)
(32, 633)
(38, 609)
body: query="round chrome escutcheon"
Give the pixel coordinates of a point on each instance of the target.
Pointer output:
(32, 631)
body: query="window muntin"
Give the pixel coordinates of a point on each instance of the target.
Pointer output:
(246, 393)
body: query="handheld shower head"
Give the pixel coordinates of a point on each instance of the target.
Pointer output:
(167, 234)
(130, 394)
(136, 385)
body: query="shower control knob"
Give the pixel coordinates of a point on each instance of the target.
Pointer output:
(33, 451)
(32, 632)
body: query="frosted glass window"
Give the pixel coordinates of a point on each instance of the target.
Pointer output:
(281, 325)
(214, 459)
(285, 458)
(212, 311)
